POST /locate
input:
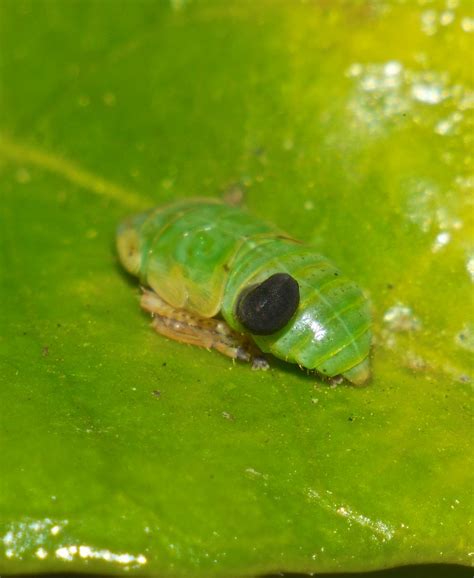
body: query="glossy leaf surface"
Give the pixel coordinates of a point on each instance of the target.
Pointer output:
(348, 124)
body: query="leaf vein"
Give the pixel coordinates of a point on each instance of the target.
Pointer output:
(70, 171)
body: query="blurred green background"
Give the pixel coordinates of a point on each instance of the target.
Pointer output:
(348, 124)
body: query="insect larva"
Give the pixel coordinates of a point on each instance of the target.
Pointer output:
(218, 277)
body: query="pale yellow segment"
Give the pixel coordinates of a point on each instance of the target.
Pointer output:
(128, 248)
(169, 284)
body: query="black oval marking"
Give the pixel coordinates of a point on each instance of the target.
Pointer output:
(267, 308)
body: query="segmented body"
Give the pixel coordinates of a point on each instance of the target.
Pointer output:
(201, 255)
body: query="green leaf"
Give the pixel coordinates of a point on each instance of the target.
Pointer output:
(349, 124)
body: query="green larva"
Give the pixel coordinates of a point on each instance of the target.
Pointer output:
(207, 259)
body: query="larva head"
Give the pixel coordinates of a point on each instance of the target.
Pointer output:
(323, 326)
(128, 243)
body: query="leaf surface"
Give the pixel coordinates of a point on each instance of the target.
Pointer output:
(348, 124)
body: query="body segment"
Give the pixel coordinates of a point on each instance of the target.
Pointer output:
(202, 256)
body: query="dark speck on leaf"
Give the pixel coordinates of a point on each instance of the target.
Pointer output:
(45, 351)
(234, 194)
(163, 364)
(156, 393)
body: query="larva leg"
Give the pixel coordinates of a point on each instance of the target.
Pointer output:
(210, 333)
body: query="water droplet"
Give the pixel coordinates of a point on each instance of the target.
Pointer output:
(400, 318)
(470, 267)
(8, 538)
(467, 24)
(429, 22)
(63, 554)
(446, 18)
(393, 68)
(251, 473)
(465, 337)
(449, 124)
(427, 93)
(441, 240)
(355, 70)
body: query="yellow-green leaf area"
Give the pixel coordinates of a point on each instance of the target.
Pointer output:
(347, 124)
